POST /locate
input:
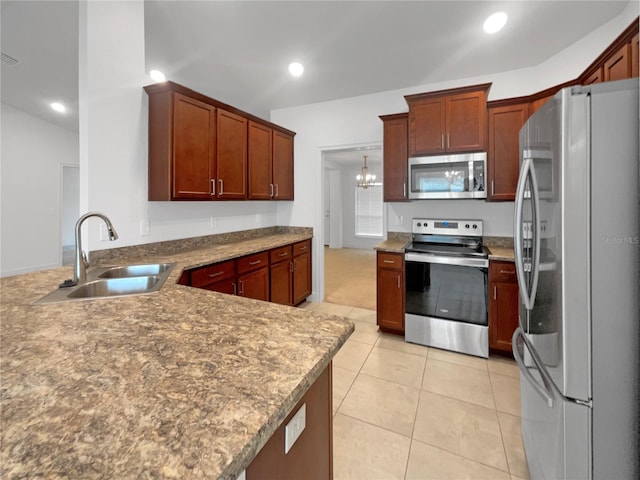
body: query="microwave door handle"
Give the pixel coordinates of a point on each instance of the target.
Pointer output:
(543, 390)
(517, 231)
(537, 229)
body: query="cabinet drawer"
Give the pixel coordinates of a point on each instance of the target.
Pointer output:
(301, 247)
(279, 254)
(213, 273)
(502, 272)
(391, 260)
(252, 262)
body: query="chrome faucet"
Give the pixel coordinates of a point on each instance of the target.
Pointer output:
(81, 263)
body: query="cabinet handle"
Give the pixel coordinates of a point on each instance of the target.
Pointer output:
(221, 186)
(390, 261)
(213, 186)
(442, 141)
(282, 254)
(494, 293)
(241, 289)
(492, 189)
(291, 266)
(255, 263)
(303, 248)
(235, 289)
(448, 141)
(404, 189)
(510, 272)
(398, 281)
(277, 190)
(271, 188)
(217, 274)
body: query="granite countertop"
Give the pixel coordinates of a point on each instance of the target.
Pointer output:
(501, 253)
(181, 383)
(392, 246)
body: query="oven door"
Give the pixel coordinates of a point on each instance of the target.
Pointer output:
(451, 288)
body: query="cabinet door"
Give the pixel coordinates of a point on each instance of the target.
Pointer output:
(227, 286)
(503, 315)
(536, 104)
(390, 292)
(255, 284)
(426, 126)
(231, 156)
(465, 122)
(503, 305)
(634, 56)
(280, 283)
(395, 158)
(504, 150)
(259, 162)
(193, 148)
(282, 166)
(595, 77)
(618, 66)
(301, 278)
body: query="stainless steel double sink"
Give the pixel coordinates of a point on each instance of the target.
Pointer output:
(109, 282)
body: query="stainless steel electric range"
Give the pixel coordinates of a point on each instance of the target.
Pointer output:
(446, 286)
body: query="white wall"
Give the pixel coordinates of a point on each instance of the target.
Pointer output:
(113, 136)
(354, 120)
(33, 151)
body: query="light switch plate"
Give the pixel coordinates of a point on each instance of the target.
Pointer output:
(295, 427)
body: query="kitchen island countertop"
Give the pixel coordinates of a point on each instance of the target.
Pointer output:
(501, 253)
(181, 383)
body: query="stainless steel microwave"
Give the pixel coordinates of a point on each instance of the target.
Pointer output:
(448, 176)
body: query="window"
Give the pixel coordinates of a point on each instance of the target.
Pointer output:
(369, 211)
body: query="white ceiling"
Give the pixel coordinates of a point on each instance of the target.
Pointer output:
(238, 51)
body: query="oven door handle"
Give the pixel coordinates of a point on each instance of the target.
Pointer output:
(462, 262)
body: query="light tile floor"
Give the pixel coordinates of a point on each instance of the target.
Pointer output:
(404, 411)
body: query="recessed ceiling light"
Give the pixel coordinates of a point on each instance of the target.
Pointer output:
(296, 69)
(157, 75)
(495, 22)
(58, 107)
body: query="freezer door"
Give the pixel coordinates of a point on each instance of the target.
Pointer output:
(556, 432)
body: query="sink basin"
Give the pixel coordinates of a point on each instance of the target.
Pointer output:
(111, 287)
(108, 282)
(136, 270)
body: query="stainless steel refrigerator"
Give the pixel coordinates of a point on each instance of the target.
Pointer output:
(576, 239)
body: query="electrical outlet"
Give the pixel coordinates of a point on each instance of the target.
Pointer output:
(295, 427)
(144, 227)
(214, 223)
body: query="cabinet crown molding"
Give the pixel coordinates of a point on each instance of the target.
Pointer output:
(450, 91)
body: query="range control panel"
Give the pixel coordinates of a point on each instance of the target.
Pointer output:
(440, 226)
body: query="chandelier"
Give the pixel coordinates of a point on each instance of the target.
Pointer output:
(365, 180)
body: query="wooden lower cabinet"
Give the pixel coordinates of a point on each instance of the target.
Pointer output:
(311, 456)
(390, 292)
(503, 305)
(281, 275)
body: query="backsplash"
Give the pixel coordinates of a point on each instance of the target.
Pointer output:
(170, 247)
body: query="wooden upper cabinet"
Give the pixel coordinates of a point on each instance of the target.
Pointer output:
(448, 121)
(395, 157)
(193, 153)
(634, 56)
(231, 155)
(260, 159)
(618, 66)
(595, 77)
(426, 126)
(503, 162)
(199, 149)
(282, 166)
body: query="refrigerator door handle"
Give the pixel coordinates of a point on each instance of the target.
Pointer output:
(544, 390)
(535, 268)
(517, 232)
